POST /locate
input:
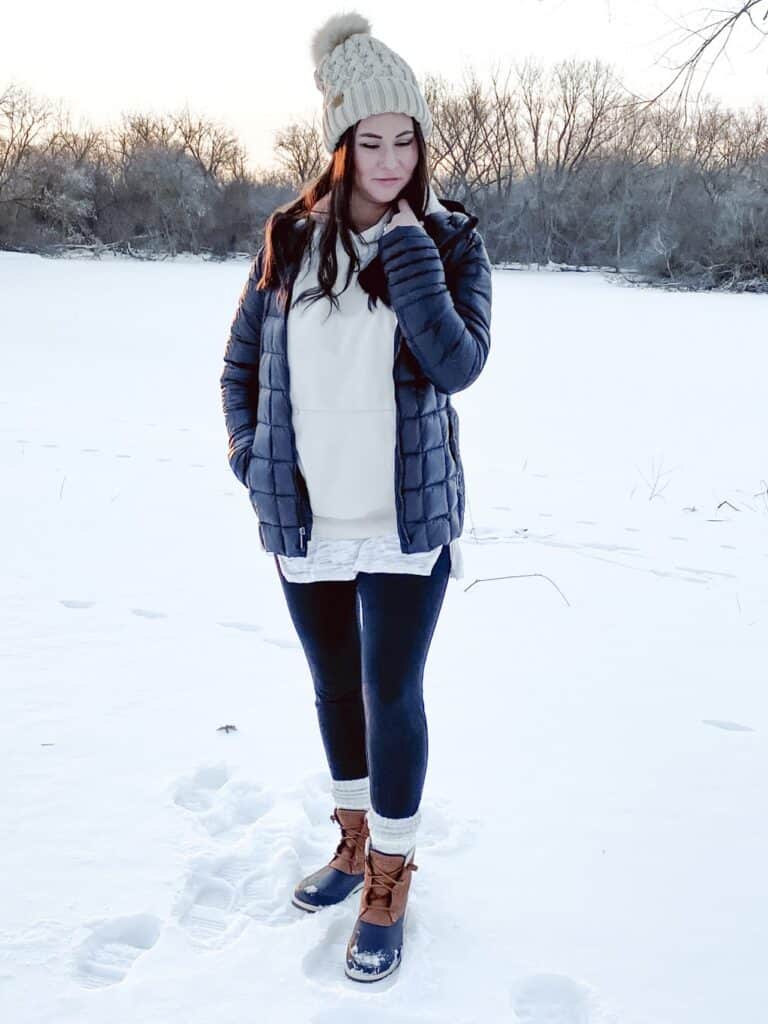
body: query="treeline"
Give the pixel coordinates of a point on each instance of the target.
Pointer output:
(562, 166)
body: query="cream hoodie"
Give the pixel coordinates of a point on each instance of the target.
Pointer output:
(342, 393)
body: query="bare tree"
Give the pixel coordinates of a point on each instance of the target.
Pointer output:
(456, 136)
(136, 131)
(214, 148)
(298, 151)
(78, 145)
(569, 120)
(22, 120)
(501, 132)
(713, 33)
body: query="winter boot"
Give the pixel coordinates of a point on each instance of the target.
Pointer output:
(375, 948)
(344, 873)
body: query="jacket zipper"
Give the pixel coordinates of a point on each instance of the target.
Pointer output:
(398, 459)
(302, 528)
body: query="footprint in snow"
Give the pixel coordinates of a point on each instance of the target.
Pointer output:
(706, 572)
(719, 723)
(555, 999)
(252, 627)
(596, 546)
(666, 574)
(109, 952)
(222, 895)
(148, 613)
(197, 791)
(223, 806)
(74, 603)
(248, 627)
(280, 641)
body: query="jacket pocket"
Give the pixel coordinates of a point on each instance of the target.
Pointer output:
(453, 420)
(453, 440)
(239, 462)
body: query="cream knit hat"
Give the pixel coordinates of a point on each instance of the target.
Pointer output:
(358, 76)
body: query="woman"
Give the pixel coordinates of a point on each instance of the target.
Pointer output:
(341, 428)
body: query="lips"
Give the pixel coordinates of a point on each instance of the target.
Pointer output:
(387, 181)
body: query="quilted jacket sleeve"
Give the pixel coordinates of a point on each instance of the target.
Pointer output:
(447, 329)
(239, 380)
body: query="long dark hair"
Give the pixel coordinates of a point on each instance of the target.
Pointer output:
(285, 244)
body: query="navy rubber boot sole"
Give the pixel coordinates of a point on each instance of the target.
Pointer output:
(374, 951)
(326, 887)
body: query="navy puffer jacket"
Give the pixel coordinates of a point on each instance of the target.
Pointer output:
(437, 279)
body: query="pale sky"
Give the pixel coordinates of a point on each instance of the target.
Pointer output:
(248, 64)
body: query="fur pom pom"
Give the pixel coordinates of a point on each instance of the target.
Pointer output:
(334, 31)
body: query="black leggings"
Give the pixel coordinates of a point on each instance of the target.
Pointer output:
(368, 674)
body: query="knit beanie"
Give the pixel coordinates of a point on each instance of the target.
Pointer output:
(359, 76)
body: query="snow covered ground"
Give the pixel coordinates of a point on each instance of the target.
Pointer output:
(595, 832)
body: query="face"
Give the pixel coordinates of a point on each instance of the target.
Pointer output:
(385, 155)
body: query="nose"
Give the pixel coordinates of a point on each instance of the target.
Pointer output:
(389, 162)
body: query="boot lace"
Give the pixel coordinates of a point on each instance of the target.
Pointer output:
(351, 840)
(381, 886)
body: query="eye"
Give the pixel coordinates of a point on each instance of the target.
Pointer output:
(367, 145)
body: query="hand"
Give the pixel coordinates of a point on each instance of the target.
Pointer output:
(403, 217)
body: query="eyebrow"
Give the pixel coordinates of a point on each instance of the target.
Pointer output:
(373, 135)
